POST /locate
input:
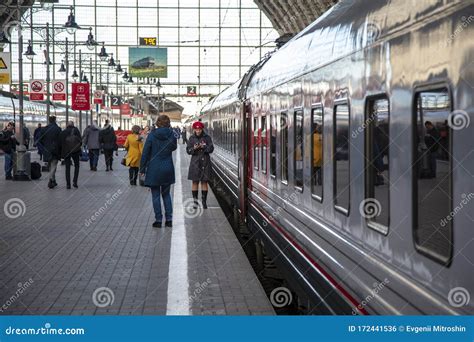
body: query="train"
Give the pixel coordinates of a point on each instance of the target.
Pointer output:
(347, 153)
(144, 63)
(35, 113)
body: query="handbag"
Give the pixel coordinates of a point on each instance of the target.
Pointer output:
(124, 160)
(84, 155)
(141, 180)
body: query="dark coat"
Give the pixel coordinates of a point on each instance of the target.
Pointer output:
(108, 139)
(50, 141)
(157, 159)
(67, 151)
(200, 165)
(7, 141)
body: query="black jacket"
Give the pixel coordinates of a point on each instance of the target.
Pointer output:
(65, 147)
(108, 139)
(50, 141)
(200, 165)
(7, 141)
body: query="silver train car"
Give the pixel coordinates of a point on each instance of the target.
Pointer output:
(349, 153)
(34, 113)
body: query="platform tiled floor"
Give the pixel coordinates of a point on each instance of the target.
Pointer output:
(92, 251)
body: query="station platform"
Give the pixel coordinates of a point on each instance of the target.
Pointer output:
(93, 250)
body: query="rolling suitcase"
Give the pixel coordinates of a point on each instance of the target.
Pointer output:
(35, 170)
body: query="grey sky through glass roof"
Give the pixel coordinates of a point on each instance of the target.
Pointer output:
(210, 43)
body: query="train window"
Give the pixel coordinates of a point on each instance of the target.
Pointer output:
(341, 158)
(284, 147)
(298, 150)
(317, 153)
(264, 144)
(255, 143)
(273, 146)
(432, 175)
(377, 162)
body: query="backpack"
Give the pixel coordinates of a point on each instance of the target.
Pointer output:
(72, 143)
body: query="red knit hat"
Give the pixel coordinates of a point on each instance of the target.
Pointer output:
(198, 124)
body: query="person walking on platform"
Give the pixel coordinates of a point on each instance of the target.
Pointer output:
(157, 166)
(8, 145)
(134, 146)
(184, 135)
(108, 142)
(51, 144)
(91, 141)
(36, 136)
(199, 147)
(71, 143)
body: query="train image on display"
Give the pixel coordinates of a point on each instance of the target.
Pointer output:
(144, 63)
(348, 154)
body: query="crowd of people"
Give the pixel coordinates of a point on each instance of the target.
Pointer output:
(148, 157)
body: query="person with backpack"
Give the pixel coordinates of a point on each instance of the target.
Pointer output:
(8, 145)
(108, 143)
(91, 141)
(71, 143)
(51, 144)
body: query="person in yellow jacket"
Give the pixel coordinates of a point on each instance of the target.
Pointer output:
(317, 156)
(134, 147)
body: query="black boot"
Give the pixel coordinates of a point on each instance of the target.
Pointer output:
(204, 198)
(195, 197)
(131, 175)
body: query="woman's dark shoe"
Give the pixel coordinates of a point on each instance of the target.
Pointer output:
(195, 197)
(75, 185)
(156, 224)
(50, 184)
(169, 224)
(204, 199)
(68, 186)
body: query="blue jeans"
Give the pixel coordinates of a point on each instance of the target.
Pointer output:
(8, 166)
(156, 194)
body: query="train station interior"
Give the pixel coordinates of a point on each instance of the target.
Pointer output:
(236, 157)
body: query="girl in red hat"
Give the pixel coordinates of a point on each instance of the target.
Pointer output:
(199, 147)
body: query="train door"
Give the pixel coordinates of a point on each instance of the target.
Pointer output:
(245, 162)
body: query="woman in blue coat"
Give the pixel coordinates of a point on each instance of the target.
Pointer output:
(157, 166)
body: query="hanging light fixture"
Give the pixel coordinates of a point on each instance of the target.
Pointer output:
(71, 25)
(30, 54)
(125, 76)
(103, 55)
(91, 43)
(130, 79)
(112, 62)
(3, 39)
(74, 75)
(119, 70)
(158, 84)
(85, 79)
(62, 69)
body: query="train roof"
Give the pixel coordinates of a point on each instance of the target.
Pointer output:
(349, 26)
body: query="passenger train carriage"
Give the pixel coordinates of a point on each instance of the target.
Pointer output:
(35, 113)
(349, 153)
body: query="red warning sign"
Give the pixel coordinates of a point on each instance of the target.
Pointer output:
(37, 90)
(59, 90)
(80, 96)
